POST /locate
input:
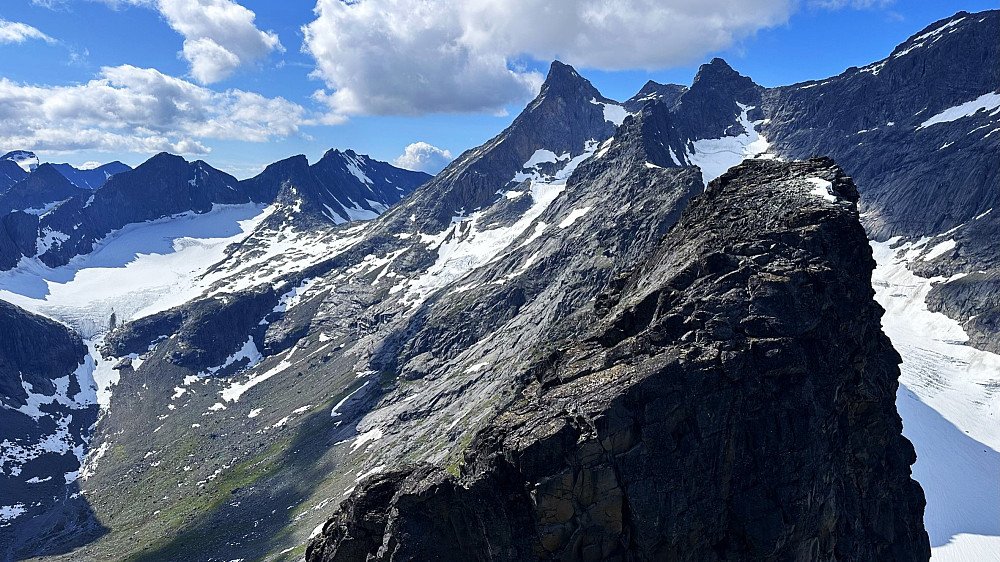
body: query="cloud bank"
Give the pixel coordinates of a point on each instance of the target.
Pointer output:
(130, 109)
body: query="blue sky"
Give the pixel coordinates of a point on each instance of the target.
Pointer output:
(242, 83)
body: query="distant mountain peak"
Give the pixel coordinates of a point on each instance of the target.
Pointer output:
(26, 159)
(652, 92)
(715, 71)
(565, 82)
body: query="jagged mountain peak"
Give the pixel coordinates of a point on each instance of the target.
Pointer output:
(299, 161)
(563, 81)
(167, 167)
(712, 106)
(718, 76)
(161, 157)
(568, 118)
(347, 154)
(48, 172)
(38, 192)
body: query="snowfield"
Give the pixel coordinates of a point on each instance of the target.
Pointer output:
(715, 156)
(139, 270)
(949, 399)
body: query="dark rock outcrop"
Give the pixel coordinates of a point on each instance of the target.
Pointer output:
(976, 299)
(667, 94)
(10, 173)
(38, 190)
(47, 413)
(22, 336)
(734, 400)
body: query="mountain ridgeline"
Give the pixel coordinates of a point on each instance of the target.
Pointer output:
(46, 215)
(615, 331)
(660, 432)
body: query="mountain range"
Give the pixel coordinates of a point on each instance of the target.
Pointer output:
(616, 331)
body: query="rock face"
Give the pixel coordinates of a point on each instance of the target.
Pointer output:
(10, 173)
(567, 113)
(929, 176)
(683, 425)
(47, 415)
(38, 192)
(667, 94)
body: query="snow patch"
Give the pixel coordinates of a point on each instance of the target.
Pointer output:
(335, 412)
(11, 512)
(715, 156)
(574, 214)
(48, 239)
(940, 249)
(370, 437)
(988, 102)
(374, 470)
(248, 353)
(463, 246)
(44, 208)
(612, 112)
(292, 297)
(543, 156)
(354, 167)
(822, 188)
(233, 392)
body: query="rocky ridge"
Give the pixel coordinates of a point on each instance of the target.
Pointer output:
(751, 328)
(47, 415)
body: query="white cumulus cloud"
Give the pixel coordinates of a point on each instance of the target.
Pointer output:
(130, 109)
(220, 36)
(412, 57)
(423, 157)
(17, 32)
(398, 57)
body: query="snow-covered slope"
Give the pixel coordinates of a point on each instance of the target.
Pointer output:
(949, 399)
